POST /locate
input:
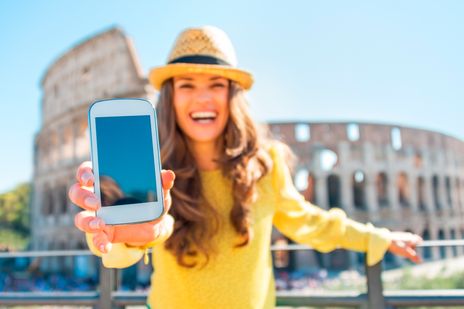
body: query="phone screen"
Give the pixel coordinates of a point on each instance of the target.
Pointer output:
(125, 160)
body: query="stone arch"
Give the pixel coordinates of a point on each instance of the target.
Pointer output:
(327, 158)
(56, 200)
(334, 195)
(381, 183)
(310, 192)
(421, 197)
(301, 179)
(81, 245)
(352, 132)
(396, 139)
(281, 257)
(458, 193)
(359, 190)
(449, 195)
(453, 237)
(47, 200)
(436, 192)
(427, 251)
(402, 183)
(441, 236)
(418, 160)
(62, 192)
(302, 132)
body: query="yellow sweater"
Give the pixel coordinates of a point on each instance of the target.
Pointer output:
(242, 277)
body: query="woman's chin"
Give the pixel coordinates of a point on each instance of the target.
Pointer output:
(204, 137)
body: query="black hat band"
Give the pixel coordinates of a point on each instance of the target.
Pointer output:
(200, 59)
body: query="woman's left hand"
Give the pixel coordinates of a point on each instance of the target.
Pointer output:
(404, 244)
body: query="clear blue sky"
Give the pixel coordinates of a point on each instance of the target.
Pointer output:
(390, 61)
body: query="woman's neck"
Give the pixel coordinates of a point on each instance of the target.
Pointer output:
(205, 155)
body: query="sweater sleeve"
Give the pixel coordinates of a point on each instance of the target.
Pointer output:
(322, 230)
(122, 255)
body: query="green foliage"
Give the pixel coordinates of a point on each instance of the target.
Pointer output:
(410, 282)
(13, 240)
(14, 216)
(441, 281)
(408, 279)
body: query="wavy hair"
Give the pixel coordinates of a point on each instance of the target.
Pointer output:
(243, 160)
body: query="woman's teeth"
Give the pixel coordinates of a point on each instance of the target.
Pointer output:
(203, 117)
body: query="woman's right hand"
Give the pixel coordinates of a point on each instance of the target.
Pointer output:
(81, 194)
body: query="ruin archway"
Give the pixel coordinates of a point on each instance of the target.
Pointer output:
(403, 189)
(334, 191)
(382, 189)
(359, 190)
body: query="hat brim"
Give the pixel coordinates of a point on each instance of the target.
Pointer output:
(159, 75)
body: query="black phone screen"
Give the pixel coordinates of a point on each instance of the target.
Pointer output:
(125, 160)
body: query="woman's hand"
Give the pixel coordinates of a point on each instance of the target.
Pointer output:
(81, 194)
(404, 244)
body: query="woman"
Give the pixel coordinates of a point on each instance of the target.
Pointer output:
(232, 185)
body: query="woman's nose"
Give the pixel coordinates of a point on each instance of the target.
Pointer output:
(204, 96)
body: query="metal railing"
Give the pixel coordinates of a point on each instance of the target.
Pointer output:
(107, 296)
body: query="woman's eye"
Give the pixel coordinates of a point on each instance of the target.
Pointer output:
(218, 85)
(187, 86)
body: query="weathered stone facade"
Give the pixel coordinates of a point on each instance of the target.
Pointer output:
(104, 66)
(398, 177)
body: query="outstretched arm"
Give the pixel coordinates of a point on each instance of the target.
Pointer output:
(328, 230)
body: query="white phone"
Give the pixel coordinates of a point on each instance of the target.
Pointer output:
(126, 162)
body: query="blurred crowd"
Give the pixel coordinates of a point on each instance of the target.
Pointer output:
(26, 274)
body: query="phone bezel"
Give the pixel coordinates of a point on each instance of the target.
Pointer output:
(125, 214)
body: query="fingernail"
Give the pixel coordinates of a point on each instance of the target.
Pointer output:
(102, 248)
(86, 177)
(95, 224)
(91, 202)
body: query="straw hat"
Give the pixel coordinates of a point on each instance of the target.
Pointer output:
(206, 49)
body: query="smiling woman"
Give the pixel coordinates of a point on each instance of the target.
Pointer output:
(232, 185)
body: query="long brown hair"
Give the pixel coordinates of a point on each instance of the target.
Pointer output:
(243, 160)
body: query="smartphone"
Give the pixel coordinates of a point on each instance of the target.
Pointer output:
(126, 161)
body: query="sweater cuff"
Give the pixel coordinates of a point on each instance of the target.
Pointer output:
(120, 255)
(378, 244)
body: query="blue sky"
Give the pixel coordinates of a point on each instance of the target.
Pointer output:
(389, 61)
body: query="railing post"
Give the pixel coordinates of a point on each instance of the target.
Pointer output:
(375, 295)
(108, 284)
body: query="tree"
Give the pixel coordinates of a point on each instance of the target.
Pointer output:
(14, 217)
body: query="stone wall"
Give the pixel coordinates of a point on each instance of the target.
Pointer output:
(401, 178)
(103, 66)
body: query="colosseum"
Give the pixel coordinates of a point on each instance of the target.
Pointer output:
(402, 178)
(103, 66)
(393, 176)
